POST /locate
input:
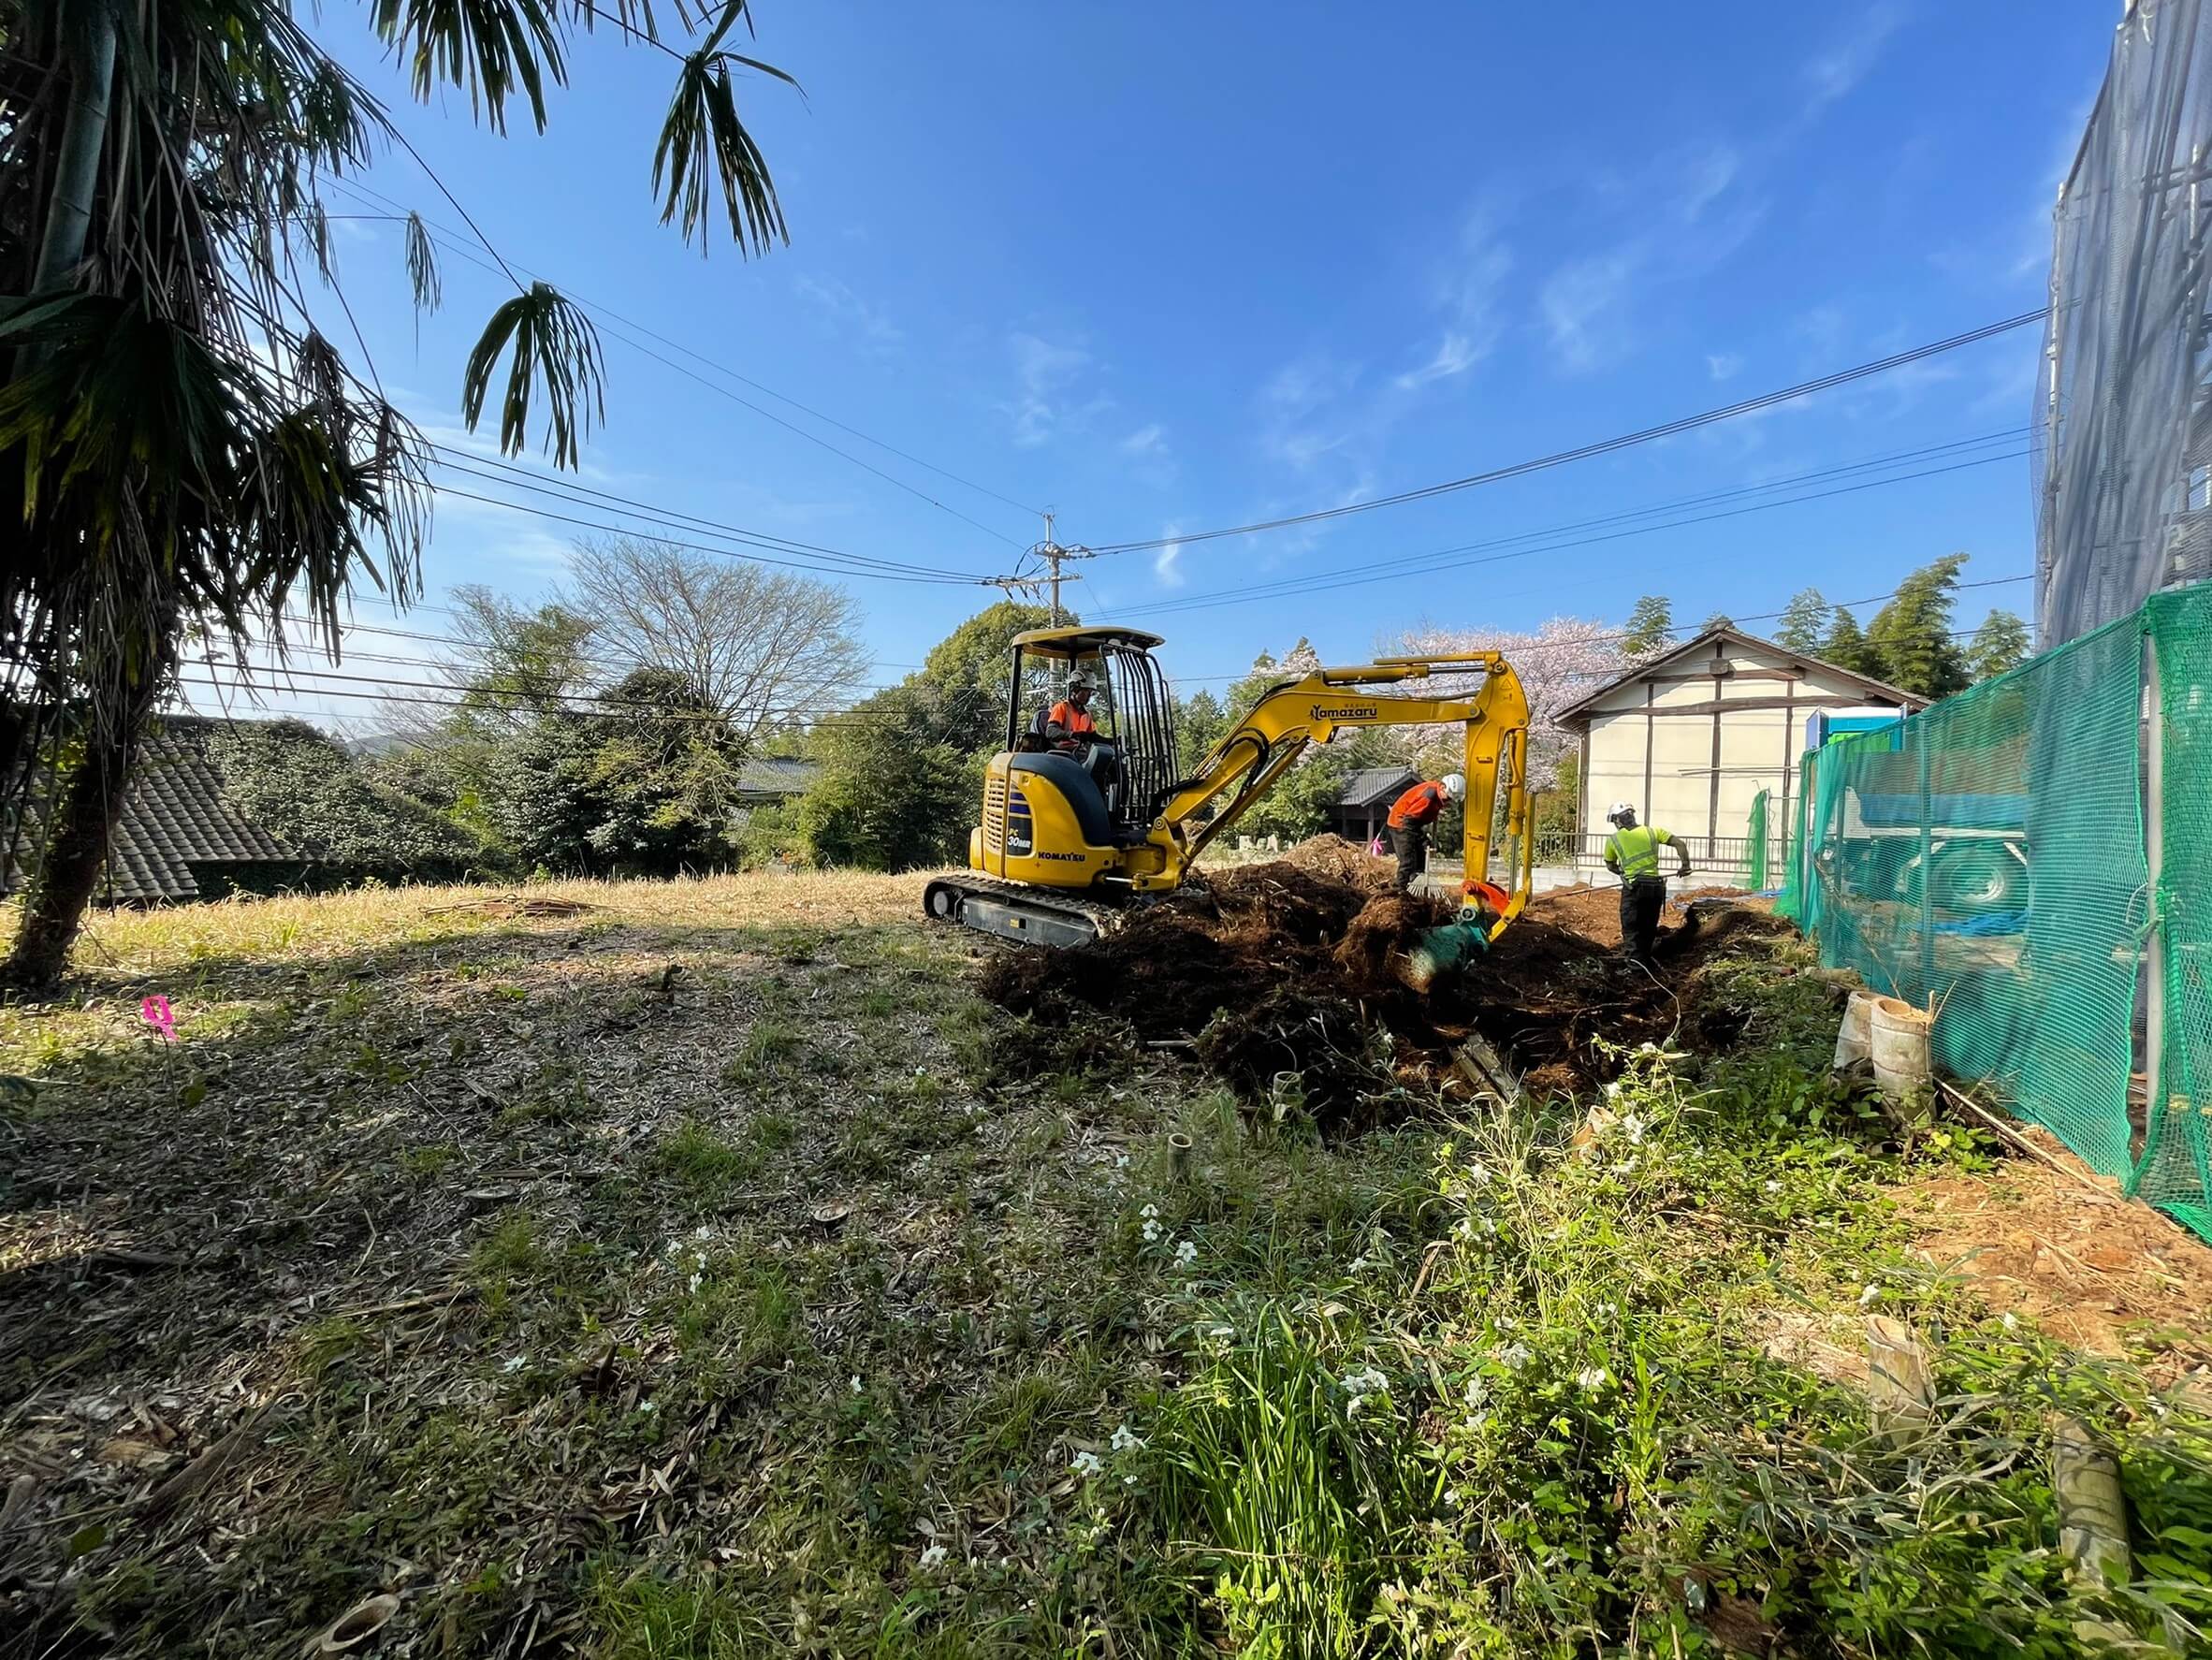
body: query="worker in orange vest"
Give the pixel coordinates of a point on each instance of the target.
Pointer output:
(1410, 816)
(1068, 727)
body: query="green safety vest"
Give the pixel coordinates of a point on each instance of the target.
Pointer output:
(1636, 850)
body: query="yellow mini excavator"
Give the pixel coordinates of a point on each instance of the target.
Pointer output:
(1076, 823)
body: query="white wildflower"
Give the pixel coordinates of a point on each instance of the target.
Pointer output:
(1149, 1211)
(1451, 1498)
(1121, 1161)
(1593, 1378)
(931, 1557)
(1356, 1265)
(1086, 1464)
(1353, 1404)
(649, 1406)
(1607, 1311)
(1632, 1127)
(1478, 1391)
(1223, 1332)
(1369, 1382)
(1151, 1230)
(514, 1362)
(1514, 1356)
(1773, 1187)
(704, 1231)
(1185, 1253)
(1125, 1440)
(2011, 1322)
(857, 1383)
(1872, 1295)
(1479, 1171)
(696, 1281)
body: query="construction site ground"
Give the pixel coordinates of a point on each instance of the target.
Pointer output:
(746, 1266)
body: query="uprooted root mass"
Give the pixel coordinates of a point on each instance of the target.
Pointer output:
(1283, 975)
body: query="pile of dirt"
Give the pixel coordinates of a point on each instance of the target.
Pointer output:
(1285, 969)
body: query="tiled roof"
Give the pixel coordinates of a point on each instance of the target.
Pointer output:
(1373, 784)
(775, 776)
(177, 816)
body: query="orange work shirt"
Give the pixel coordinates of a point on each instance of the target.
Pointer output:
(1070, 718)
(1417, 805)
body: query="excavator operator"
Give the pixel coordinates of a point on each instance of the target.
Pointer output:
(1410, 819)
(1068, 727)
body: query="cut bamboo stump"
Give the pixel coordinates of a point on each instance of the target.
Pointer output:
(1899, 1387)
(2092, 1510)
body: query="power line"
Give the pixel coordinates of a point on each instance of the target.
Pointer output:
(581, 495)
(1603, 446)
(947, 579)
(448, 238)
(1323, 581)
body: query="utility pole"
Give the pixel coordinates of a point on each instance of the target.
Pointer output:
(1052, 556)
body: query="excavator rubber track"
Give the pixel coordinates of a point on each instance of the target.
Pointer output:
(1012, 912)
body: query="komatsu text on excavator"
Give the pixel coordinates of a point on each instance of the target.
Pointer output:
(1085, 811)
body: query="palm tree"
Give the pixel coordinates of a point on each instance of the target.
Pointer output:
(180, 447)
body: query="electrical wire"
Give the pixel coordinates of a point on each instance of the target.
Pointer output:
(1322, 582)
(613, 322)
(1602, 447)
(606, 501)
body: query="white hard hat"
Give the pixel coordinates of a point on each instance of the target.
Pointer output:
(1455, 784)
(1083, 678)
(1619, 810)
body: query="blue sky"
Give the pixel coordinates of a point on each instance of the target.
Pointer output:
(1166, 268)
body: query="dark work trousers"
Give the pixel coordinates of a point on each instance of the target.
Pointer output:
(1411, 844)
(1641, 899)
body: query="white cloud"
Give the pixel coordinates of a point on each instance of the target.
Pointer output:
(1043, 371)
(1456, 354)
(1468, 295)
(1688, 201)
(1167, 564)
(1149, 439)
(846, 312)
(1722, 366)
(1300, 425)
(1582, 309)
(1847, 61)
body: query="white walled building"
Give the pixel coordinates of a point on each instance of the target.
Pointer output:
(1693, 734)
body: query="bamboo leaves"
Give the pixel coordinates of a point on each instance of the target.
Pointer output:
(544, 338)
(492, 46)
(703, 133)
(422, 267)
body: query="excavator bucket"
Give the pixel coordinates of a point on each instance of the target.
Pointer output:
(1443, 951)
(1439, 953)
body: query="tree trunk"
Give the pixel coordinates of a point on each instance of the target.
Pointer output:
(87, 808)
(78, 167)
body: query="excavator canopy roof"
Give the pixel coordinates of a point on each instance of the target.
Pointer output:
(1082, 642)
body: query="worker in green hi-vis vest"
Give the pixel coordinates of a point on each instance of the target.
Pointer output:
(1632, 854)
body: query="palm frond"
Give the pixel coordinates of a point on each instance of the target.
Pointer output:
(493, 48)
(544, 338)
(703, 134)
(422, 266)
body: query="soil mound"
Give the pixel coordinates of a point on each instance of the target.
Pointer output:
(1283, 973)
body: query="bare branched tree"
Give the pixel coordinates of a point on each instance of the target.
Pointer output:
(759, 645)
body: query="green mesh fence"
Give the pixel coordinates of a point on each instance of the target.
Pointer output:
(1753, 874)
(1988, 859)
(2177, 1166)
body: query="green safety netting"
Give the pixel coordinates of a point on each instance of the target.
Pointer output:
(1989, 859)
(1753, 874)
(2175, 1170)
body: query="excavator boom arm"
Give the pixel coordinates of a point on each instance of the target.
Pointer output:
(1245, 763)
